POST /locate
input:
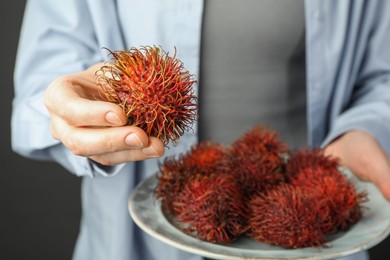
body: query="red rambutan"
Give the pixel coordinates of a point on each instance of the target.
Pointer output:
(261, 140)
(257, 159)
(154, 90)
(211, 208)
(344, 201)
(204, 158)
(312, 169)
(207, 157)
(310, 158)
(287, 216)
(172, 177)
(292, 202)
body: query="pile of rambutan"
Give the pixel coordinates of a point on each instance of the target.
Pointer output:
(154, 90)
(259, 188)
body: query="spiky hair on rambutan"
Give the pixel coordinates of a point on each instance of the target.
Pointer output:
(207, 157)
(311, 168)
(310, 158)
(258, 160)
(287, 216)
(154, 90)
(172, 176)
(261, 139)
(345, 202)
(293, 201)
(204, 158)
(211, 208)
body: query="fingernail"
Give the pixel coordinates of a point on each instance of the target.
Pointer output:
(134, 141)
(150, 152)
(112, 118)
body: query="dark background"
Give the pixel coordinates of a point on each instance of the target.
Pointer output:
(40, 201)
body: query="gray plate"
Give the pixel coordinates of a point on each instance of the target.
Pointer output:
(368, 232)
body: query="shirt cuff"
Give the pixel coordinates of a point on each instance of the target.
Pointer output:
(81, 166)
(368, 120)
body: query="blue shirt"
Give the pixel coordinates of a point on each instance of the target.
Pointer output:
(348, 65)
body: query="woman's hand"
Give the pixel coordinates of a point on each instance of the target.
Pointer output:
(92, 128)
(363, 155)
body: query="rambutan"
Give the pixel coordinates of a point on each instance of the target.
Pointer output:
(344, 201)
(211, 208)
(261, 140)
(312, 169)
(292, 201)
(172, 177)
(154, 90)
(310, 158)
(258, 159)
(287, 216)
(204, 158)
(207, 157)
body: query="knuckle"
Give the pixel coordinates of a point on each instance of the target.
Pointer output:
(65, 111)
(110, 144)
(62, 80)
(54, 92)
(74, 149)
(73, 145)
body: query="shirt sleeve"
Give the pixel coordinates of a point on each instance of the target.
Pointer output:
(57, 38)
(369, 106)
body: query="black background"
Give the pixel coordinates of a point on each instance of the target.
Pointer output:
(40, 201)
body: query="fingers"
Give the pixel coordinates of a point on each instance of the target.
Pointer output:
(381, 178)
(384, 188)
(374, 166)
(364, 156)
(84, 112)
(87, 141)
(108, 146)
(93, 128)
(154, 149)
(75, 100)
